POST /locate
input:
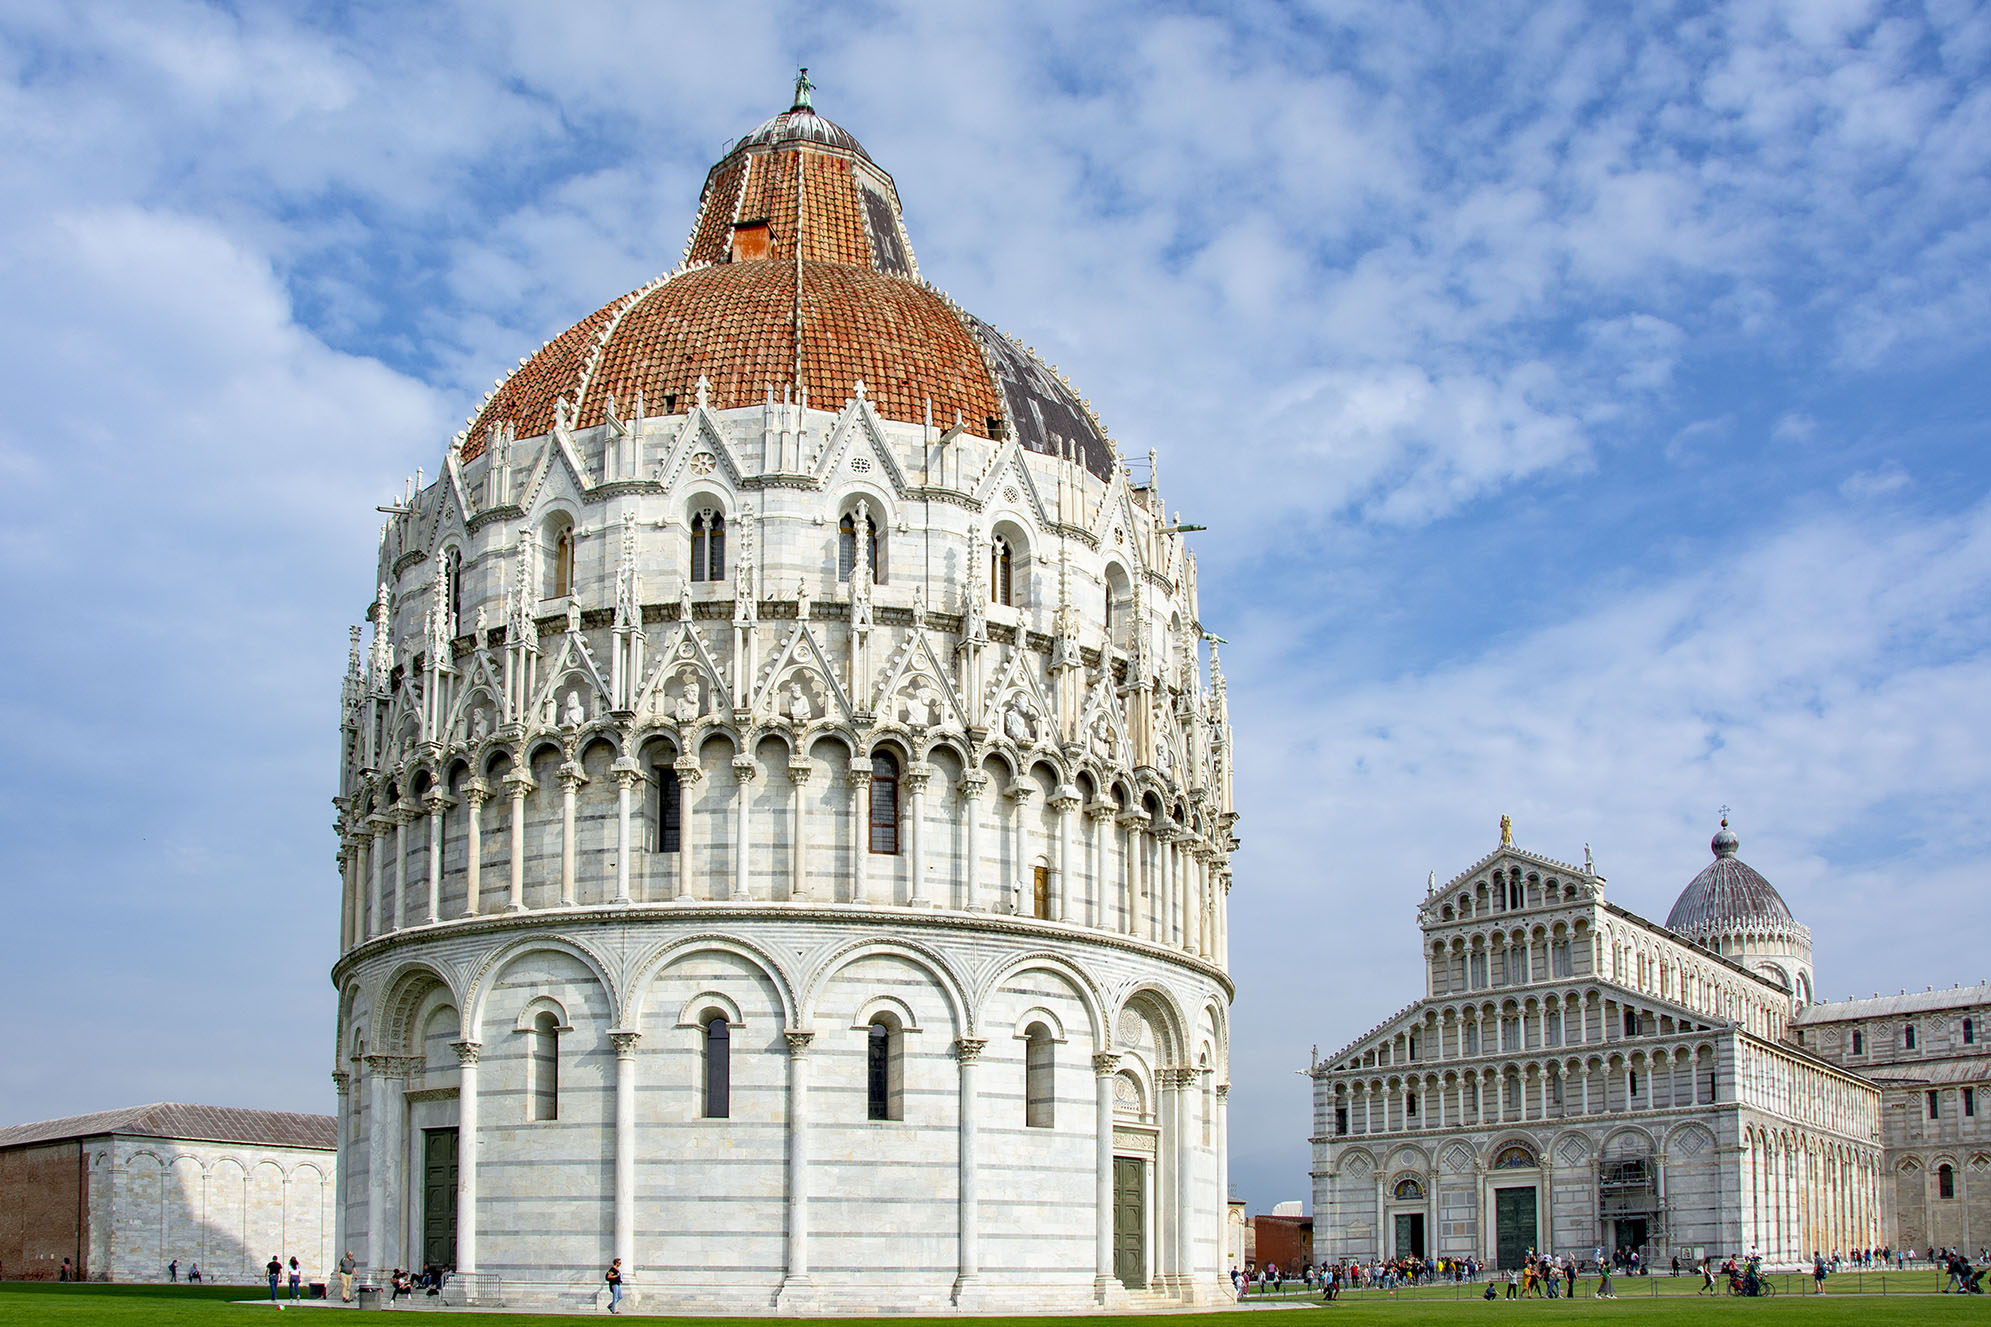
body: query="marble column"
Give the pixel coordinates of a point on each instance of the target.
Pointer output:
(918, 775)
(796, 1276)
(1018, 794)
(627, 776)
(1129, 823)
(404, 813)
(860, 832)
(797, 1272)
(384, 1187)
(466, 1154)
(378, 855)
(350, 908)
(745, 770)
(518, 784)
(625, 1147)
(1064, 803)
(973, 785)
(799, 773)
(1222, 1138)
(1185, 1184)
(438, 803)
(369, 887)
(571, 779)
(1105, 1069)
(475, 794)
(1097, 817)
(688, 775)
(968, 1050)
(343, 1083)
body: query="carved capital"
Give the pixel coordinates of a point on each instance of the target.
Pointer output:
(1066, 799)
(1101, 811)
(860, 773)
(687, 769)
(1020, 791)
(1105, 1064)
(394, 1066)
(746, 769)
(800, 772)
(798, 1043)
(625, 1043)
(917, 776)
(407, 811)
(627, 777)
(342, 1081)
(518, 783)
(467, 1051)
(438, 801)
(969, 1049)
(974, 785)
(572, 776)
(1132, 819)
(477, 792)
(1223, 1091)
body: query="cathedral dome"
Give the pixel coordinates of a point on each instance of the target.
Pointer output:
(798, 282)
(1728, 896)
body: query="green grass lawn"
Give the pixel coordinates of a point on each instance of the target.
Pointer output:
(1654, 1301)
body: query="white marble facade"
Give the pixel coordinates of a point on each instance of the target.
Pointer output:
(881, 771)
(1576, 1076)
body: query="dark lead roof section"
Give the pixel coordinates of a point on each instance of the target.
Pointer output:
(1041, 410)
(881, 227)
(212, 1124)
(802, 125)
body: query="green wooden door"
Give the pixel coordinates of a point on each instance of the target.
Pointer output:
(1130, 1236)
(439, 1197)
(1513, 1224)
(1410, 1234)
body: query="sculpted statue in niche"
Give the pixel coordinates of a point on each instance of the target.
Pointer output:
(800, 711)
(1101, 737)
(574, 715)
(684, 603)
(692, 702)
(802, 601)
(573, 613)
(483, 629)
(919, 606)
(480, 726)
(922, 707)
(1018, 723)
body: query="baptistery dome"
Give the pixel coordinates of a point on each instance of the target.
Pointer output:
(783, 779)
(1730, 908)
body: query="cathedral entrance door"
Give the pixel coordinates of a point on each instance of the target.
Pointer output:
(439, 1197)
(1410, 1234)
(1513, 1225)
(1130, 1235)
(1631, 1235)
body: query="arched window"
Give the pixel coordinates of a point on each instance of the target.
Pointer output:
(708, 546)
(1945, 1181)
(1001, 569)
(718, 1068)
(543, 1066)
(1514, 1158)
(1408, 1188)
(884, 1076)
(670, 810)
(885, 803)
(1039, 1089)
(563, 562)
(846, 549)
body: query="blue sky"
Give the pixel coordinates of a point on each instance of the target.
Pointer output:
(1588, 409)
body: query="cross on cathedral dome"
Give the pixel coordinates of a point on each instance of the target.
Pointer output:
(798, 280)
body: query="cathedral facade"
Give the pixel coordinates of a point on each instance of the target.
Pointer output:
(1577, 1076)
(785, 821)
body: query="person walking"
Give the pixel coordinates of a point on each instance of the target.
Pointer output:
(347, 1266)
(1707, 1277)
(614, 1279)
(296, 1275)
(1817, 1273)
(1603, 1290)
(275, 1272)
(173, 1270)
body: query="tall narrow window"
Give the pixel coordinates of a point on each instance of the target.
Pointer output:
(1340, 1120)
(1631, 1022)
(563, 562)
(1969, 1033)
(543, 1066)
(1934, 1104)
(1478, 963)
(1552, 1029)
(452, 572)
(718, 1068)
(846, 550)
(1945, 1181)
(884, 1070)
(884, 803)
(670, 810)
(1000, 568)
(1039, 1091)
(1632, 1081)
(1040, 892)
(708, 546)
(1908, 1037)
(1559, 959)
(1510, 1032)
(1859, 1043)
(1970, 1101)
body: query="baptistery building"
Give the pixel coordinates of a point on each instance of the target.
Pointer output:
(785, 809)
(1576, 1076)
